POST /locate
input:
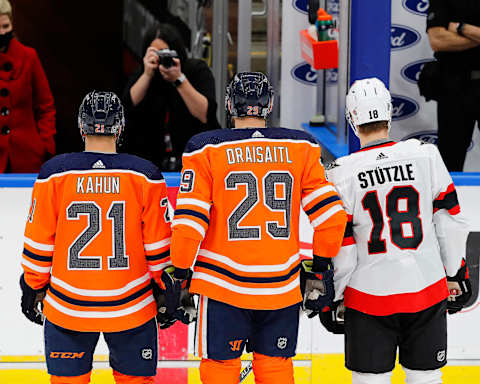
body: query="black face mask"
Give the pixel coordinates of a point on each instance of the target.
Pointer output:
(5, 39)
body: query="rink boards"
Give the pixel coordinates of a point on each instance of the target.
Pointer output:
(320, 354)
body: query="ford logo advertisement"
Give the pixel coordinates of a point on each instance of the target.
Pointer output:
(304, 73)
(331, 76)
(430, 137)
(403, 37)
(403, 107)
(411, 72)
(333, 7)
(300, 5)
(419, 7)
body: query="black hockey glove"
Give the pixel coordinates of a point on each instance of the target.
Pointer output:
(460, 289)
(332, 320)
(164, 320)
(32, 299)
(179, 302)
(316, 283)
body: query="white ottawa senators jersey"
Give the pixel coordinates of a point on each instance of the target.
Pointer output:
(405, 228)
(240, 197)
(96, 233)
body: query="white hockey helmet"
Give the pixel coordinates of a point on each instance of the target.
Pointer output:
(368, 101)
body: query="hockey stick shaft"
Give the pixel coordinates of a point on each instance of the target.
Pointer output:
(245, 371)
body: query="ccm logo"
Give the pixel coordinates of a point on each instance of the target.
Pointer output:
(66, 355)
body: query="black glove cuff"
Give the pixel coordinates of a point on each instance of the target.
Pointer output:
(321, 264)
(180, 273)
(25, 287)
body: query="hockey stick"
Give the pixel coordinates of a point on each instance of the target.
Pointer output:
(245, 371)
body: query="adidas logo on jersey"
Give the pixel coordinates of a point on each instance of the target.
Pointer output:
(257, 134)
(98, 164)
(332, 165)
(382, 156)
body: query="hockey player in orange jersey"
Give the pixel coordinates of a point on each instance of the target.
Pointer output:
(97, 230)
(237, 215)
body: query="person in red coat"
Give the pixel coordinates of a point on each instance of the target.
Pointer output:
(27, 111)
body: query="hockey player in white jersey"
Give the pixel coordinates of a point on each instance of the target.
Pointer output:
(405, 238)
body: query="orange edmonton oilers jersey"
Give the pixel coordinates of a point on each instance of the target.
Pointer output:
(239, 205)
(97, 231)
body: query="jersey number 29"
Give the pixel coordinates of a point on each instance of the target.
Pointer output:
(270, 180)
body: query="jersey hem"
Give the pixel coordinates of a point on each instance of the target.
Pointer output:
(396, 303)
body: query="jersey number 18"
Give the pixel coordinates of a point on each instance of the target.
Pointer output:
(397, 218)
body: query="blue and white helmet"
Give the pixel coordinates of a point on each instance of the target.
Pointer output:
(101, 113)
(249, 94)
(368, 101)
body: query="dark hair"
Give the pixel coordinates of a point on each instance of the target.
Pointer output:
(376, 126)
(170, 35)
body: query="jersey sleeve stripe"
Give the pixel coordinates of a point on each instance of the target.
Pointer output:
(101, 292)
(35, 267)
(319, 192)
(190, 212)
(326, 215)
(98, 314)
(159, 267)
(157, 245)
(322, 204)
(249, 268)
(450, 188)
(39, 246)
(158, 256)
(196, 202)
(189, 223)
(248, 279)
(348, 241)
(33, 256)
(348, 238)
(448, 201)
(348, 229)
(245, 290)
(107, 303)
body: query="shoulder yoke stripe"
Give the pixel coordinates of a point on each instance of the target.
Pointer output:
(88, 171)
(263, 140)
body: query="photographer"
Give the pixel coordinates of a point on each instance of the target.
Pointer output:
(168, 100)
(453, 29)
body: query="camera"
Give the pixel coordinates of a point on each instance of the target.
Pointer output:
(165, 57)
